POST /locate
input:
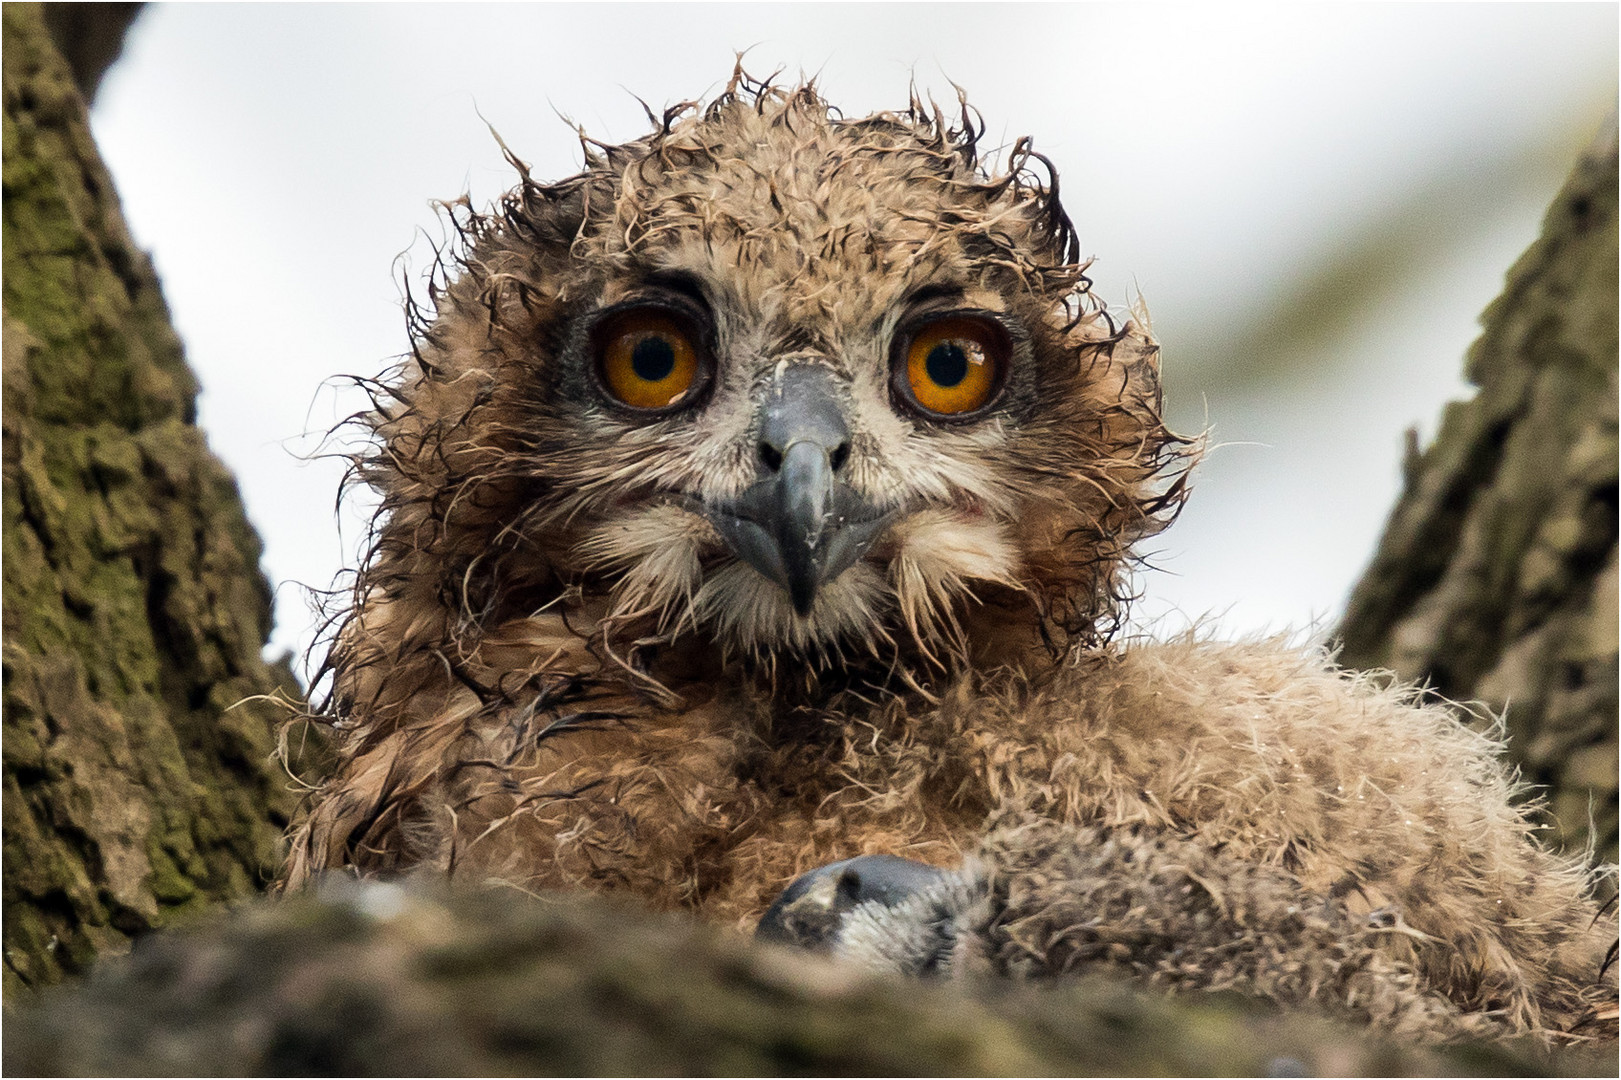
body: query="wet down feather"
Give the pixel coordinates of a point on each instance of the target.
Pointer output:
(764, 497)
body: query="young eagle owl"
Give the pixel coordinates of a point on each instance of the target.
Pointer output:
(763, 495)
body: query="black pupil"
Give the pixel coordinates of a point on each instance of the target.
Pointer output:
(947, 364)
(653, 359)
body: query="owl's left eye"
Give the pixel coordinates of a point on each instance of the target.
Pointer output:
(952, 368)
(648, 358)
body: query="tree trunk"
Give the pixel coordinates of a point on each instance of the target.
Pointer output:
(1496, 577)
(136, 788)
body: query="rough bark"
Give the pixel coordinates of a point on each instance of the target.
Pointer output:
(1496, 577)
(136, 788)
(384, 982)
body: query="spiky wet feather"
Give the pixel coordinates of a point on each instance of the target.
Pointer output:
(552, 673)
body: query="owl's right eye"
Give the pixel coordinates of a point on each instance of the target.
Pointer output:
(648, 358)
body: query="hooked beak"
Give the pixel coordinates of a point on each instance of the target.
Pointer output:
(800, 525)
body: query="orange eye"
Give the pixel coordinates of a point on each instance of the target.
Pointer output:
(954, 365)
(647, 358)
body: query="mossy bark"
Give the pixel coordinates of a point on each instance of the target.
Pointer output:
(1496, 577)
(137, 788)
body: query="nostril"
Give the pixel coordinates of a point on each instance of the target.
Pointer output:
(771, 456)
(840, 454)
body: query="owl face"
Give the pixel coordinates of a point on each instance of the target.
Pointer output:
(794, 384)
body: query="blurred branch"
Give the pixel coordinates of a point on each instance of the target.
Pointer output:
(1397, 248)
(379, 981)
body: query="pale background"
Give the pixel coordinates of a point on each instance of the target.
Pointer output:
(1315, 201)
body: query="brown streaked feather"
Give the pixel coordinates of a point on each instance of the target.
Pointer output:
(553, 673)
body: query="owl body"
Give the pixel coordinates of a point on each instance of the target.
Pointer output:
(764, 496)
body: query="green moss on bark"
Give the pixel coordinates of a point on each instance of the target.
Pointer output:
(134, 609)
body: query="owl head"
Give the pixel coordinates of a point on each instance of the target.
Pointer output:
(793, 386)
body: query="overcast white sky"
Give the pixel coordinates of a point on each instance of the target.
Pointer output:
(1239, 165)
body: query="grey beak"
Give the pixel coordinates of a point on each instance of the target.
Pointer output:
(800, 525)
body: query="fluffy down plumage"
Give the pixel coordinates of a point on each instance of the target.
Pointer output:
(565, 663)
